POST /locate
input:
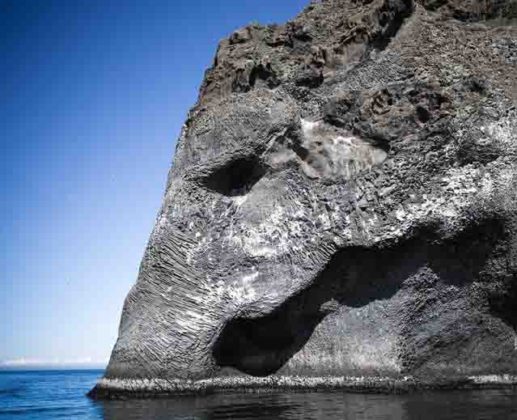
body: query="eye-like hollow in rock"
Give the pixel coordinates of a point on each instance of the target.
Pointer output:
(236, 177)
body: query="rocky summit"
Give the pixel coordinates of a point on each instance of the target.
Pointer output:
(341, 210)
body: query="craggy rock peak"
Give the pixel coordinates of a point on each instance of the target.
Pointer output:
(342, 204)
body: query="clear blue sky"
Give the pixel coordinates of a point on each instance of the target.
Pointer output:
(93, 95)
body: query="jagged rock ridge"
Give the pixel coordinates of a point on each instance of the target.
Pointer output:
(342, 203)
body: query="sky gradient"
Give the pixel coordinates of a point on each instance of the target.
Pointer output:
(93, 96)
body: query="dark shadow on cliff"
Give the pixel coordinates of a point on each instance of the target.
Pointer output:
(354, 277)
(236, 177)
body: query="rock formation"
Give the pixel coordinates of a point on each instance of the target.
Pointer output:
(342, 204)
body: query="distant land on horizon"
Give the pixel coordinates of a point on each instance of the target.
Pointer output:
(50, 368)
(33, 364)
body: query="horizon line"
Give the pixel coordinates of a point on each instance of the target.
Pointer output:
(52, 364)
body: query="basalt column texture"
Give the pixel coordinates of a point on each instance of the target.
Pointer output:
(341, 210)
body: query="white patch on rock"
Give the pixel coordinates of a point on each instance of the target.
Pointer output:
(333, 152)
(503, 131)
(239, 200)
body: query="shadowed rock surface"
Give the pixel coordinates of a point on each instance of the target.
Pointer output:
(342, 204)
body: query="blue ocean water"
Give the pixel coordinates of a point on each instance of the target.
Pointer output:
(48, 394)
(61, 395)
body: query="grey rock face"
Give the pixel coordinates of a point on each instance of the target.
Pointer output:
(342, 203)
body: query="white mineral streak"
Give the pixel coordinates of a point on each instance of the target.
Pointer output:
(333, 153)
(243, 293)
(494, 379)
(239, 200)
(267, 239)
(460, 189)
(503, 131)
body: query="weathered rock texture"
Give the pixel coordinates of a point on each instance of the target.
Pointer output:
(342, 203)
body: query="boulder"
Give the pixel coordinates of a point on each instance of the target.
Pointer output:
(342, 205)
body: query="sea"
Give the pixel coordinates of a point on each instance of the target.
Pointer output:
(61, 394)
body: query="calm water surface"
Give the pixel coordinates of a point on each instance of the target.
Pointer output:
(61, 394)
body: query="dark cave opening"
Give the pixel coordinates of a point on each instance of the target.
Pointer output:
(235, 178)
(503, 302)
(391, 21)
(263, 73)
(260, 347)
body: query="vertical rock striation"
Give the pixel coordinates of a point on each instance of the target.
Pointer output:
(342, 203)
